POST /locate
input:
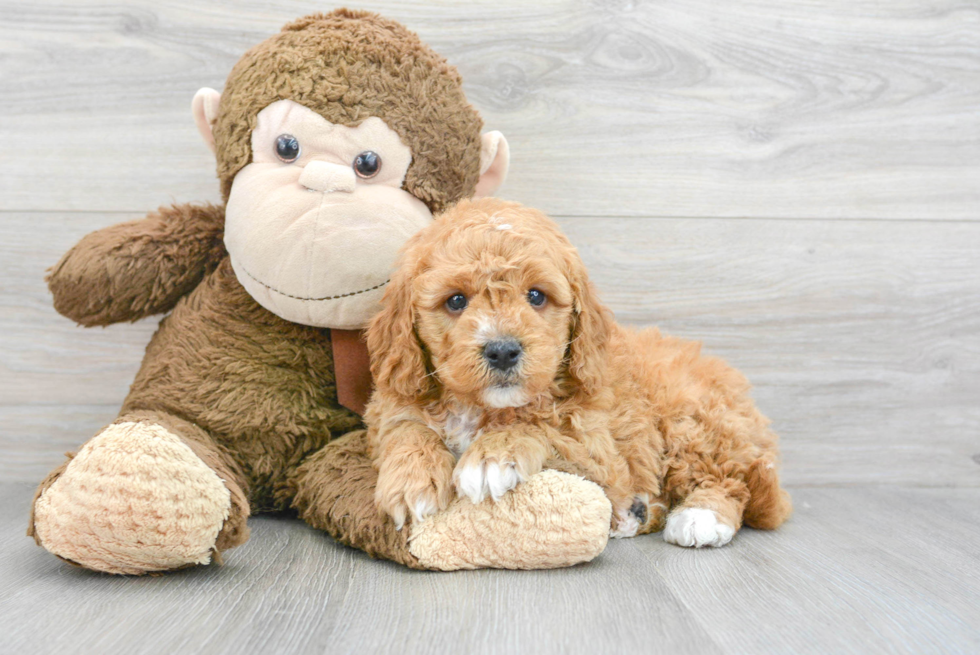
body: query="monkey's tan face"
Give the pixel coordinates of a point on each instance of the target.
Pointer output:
(315, 222)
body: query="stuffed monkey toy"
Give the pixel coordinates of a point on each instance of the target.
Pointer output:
(336, 140)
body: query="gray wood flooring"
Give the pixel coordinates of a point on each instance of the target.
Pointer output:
(797, 184)
(856, 570)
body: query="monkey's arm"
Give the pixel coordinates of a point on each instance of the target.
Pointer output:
(132, 270)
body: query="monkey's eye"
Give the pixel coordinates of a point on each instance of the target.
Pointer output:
(536, 297)
(456, 302)
(367, 164)
(287, 148)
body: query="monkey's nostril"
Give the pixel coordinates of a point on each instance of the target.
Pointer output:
(503, 354)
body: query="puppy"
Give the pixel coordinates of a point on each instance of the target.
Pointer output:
(493, 358)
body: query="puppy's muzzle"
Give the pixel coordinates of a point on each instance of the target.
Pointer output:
(503, 354)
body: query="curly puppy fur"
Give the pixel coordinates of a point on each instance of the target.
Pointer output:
(659, 426)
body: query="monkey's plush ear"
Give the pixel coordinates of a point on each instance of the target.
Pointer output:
(494, 161)
(205, 109)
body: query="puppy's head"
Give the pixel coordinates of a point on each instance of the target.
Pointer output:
(491, 304)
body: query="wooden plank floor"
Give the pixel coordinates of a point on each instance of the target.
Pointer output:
(862, 570)
(796, 184)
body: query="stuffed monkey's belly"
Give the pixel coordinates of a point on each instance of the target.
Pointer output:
(260, 386)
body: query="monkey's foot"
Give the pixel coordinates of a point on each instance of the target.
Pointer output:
(552, 520)
(135, 499)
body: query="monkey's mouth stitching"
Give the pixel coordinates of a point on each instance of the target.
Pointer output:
(337, 297)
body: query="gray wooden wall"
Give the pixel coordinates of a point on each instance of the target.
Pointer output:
(796, 184)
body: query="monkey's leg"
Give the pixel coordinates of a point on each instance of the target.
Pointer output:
(150, 492)
(552, 520)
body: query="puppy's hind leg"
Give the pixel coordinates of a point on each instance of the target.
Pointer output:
(769, 505)
(708, 516)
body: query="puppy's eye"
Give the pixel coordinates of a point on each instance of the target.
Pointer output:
(287, 148)
(367, 164)
(536, 297)
(456, 302)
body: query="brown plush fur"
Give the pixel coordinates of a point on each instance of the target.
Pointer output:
(251, 394)
(137, 269)
(347, 66)
(334, 491)
(643, 415)
(261, 386)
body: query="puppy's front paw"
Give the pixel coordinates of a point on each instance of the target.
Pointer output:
(409, 489)
(497, 462)
(695, 527)
(477, 478)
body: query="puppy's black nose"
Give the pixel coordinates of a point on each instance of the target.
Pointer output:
(502, 354)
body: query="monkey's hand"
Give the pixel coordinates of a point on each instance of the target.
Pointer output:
(132, 270)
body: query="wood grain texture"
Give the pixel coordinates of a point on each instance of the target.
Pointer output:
(860, 336)
(859, 570)
(772, 126)
(291, 589)
(35, 438)
(46, 358)
(833, 109)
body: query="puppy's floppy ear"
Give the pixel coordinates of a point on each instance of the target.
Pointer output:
(591, 326)
(397, 359)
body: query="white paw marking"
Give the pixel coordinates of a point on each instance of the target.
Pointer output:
(501, 478)
(476, 481)
(471, 483)
(425, 506)
(626, 525)
(398, 516)
(695, 527)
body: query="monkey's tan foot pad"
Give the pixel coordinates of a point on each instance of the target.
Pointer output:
(552, 520)
(135, 499)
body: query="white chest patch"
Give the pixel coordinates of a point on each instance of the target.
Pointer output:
(461, 428)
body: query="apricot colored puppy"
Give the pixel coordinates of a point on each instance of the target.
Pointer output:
(493, 358)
